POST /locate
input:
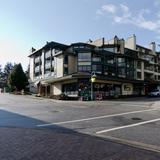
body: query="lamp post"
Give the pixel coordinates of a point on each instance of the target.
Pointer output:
(93, 79)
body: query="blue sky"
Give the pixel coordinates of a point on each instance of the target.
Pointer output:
(27, 23)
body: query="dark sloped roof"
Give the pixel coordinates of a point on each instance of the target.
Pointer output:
(50, 45)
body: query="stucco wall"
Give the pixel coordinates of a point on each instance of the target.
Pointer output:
(72, 64)
(57, 89)
(131, 42)
(59, 66)
(31, 70)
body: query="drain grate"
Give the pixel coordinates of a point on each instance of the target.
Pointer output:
(136, 118)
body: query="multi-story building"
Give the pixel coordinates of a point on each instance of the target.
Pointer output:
(121, 68)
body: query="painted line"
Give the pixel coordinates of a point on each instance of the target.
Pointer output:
(128, 126)
(93, 118)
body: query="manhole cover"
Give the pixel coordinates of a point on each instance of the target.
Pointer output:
(136, 118)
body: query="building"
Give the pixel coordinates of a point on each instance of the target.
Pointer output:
(121, 68)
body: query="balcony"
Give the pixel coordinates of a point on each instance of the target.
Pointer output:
(37, 60)
(149, 71)
(139, 70)
(148, 58)
(47, 65)
(47, 55)
(37, 69)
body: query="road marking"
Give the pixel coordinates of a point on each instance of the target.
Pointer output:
(93, 118)
(128, 126)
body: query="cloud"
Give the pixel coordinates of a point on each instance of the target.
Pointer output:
(99, 12)
(110, 8)
(121, 14)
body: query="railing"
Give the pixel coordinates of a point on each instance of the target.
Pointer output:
(149, 68)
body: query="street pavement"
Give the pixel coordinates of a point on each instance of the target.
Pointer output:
(38, 128)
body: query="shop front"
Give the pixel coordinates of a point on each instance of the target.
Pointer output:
(101, 89)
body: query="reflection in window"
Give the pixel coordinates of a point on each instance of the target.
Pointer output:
(121, 72)
(109, 49)
(96, 59)
(84, 68)
(109, 70)
(84, 56)
(121, 62)
(97, 68)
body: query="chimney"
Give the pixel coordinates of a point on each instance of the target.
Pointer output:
(131, 42)
(32, 50)
(153, 47)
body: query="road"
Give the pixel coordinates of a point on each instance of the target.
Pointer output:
(38, 128)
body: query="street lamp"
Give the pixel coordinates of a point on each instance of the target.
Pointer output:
(93, 79)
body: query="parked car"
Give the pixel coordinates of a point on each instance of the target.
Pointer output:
(155, 93)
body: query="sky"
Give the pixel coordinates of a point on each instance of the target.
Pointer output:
(31, 23)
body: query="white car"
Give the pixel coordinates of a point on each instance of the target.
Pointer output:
(155, 92)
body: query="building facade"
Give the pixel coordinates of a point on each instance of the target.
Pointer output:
(121, 68)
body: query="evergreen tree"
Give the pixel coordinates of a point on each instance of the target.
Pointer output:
(17, 78)
(7, 69)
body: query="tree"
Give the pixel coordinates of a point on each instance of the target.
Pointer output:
(6, 71)
(17, 78)
(8, 68)
(1, 77)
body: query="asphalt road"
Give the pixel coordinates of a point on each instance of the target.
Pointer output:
(38, 128)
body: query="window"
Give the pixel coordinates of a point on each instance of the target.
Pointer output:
(52, 69)
(96, 59)
(66, 59)
(97, 68)
(65, 70)
(84, 56)
(121, 72)
(109, 70)
(139, 64)
(48, 55)
(110, 61)
(109, 49)
(121, 62)
(84, 68)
